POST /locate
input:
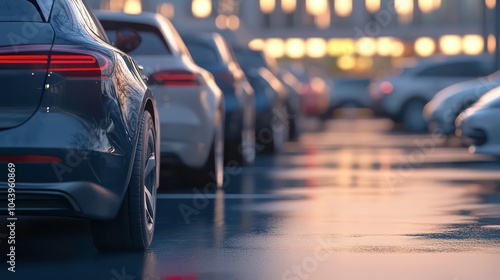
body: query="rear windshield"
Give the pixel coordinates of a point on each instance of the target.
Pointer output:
(202, 54)
(152, 42)
(25, 10)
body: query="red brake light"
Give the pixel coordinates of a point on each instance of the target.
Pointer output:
(68, 61)
(175, 78)
(226, 77)
(29, 158)
(386, 87)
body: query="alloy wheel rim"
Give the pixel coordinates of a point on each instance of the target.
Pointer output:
(150, 187)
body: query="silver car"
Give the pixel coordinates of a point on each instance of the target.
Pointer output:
(190, 104)
(478, 125)
(445, 107)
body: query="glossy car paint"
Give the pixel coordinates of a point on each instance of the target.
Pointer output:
(478, 125)
(442, 111)
(89, 124)
(187, 113)
(238, 94)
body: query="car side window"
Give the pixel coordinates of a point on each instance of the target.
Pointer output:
(454, 69)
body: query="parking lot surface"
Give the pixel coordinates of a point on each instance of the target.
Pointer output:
(356, 200)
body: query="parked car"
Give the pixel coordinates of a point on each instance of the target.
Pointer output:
(252, 59)
(478, 125)
(79, 126)
(402, 96)
(442, 111)
(350, 92)
(190, 104)
(271, 110)
(295, 92)
(315, 97)
(211, 51)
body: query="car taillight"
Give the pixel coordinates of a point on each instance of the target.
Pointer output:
(175, 78)
(68, 61)
(29, 158)
(225, 77)
(386, 87)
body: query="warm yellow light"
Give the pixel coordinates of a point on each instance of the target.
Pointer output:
(450, 44)
(166, 9)
(366, 46)
(233, 22)
(221, 21)
(372, 5)
(384, 46)
(315, 47)
(425, 46)
(426, 6)
(364, 63)
(201, 8)
(437, 4)
(339, 47)
(316, 7)
(398, 48)
(132, 7)
(323, 21)
(256, 44)
(275, 47)
(346, 62)
(288, 6)
(492, 44)
(473, 44)
(404, 8)
(295, 48)
(267, 6)
(491, 4)
(343, 8)
(116, 5)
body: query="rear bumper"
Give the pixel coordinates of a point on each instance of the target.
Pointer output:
(187, 123)
(67, 199)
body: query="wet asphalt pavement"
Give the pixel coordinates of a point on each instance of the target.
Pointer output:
(356, 201)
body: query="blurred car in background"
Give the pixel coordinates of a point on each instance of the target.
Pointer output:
(350, 92)
(316, 88)
(212, 52)
(478, 126)
(442, 111)
(79, 123)
(295, 91)
(252, 59)
(403, 96)
(191, 106)
(271, 111)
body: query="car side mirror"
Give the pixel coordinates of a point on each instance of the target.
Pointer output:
(127, 40)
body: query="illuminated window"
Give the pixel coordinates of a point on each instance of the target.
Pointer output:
(201, 8)
(288, 6)
(267, 6)
(425, 46)
(132, 7)
(315, 47)
(295, 48)
(372, 5)
(450, 44)
(473, 44)
(317, 7)
(343, 8)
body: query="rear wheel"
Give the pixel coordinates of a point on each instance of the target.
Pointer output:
(133, 227)
(413, 116)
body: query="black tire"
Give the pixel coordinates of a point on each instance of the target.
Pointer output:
(413, 118)
(133, 227)
(272, 139)
(212, 172)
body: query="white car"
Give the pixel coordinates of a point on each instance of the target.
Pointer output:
(442, 111)
(479, 126)
(403, 97)
(191, 105)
